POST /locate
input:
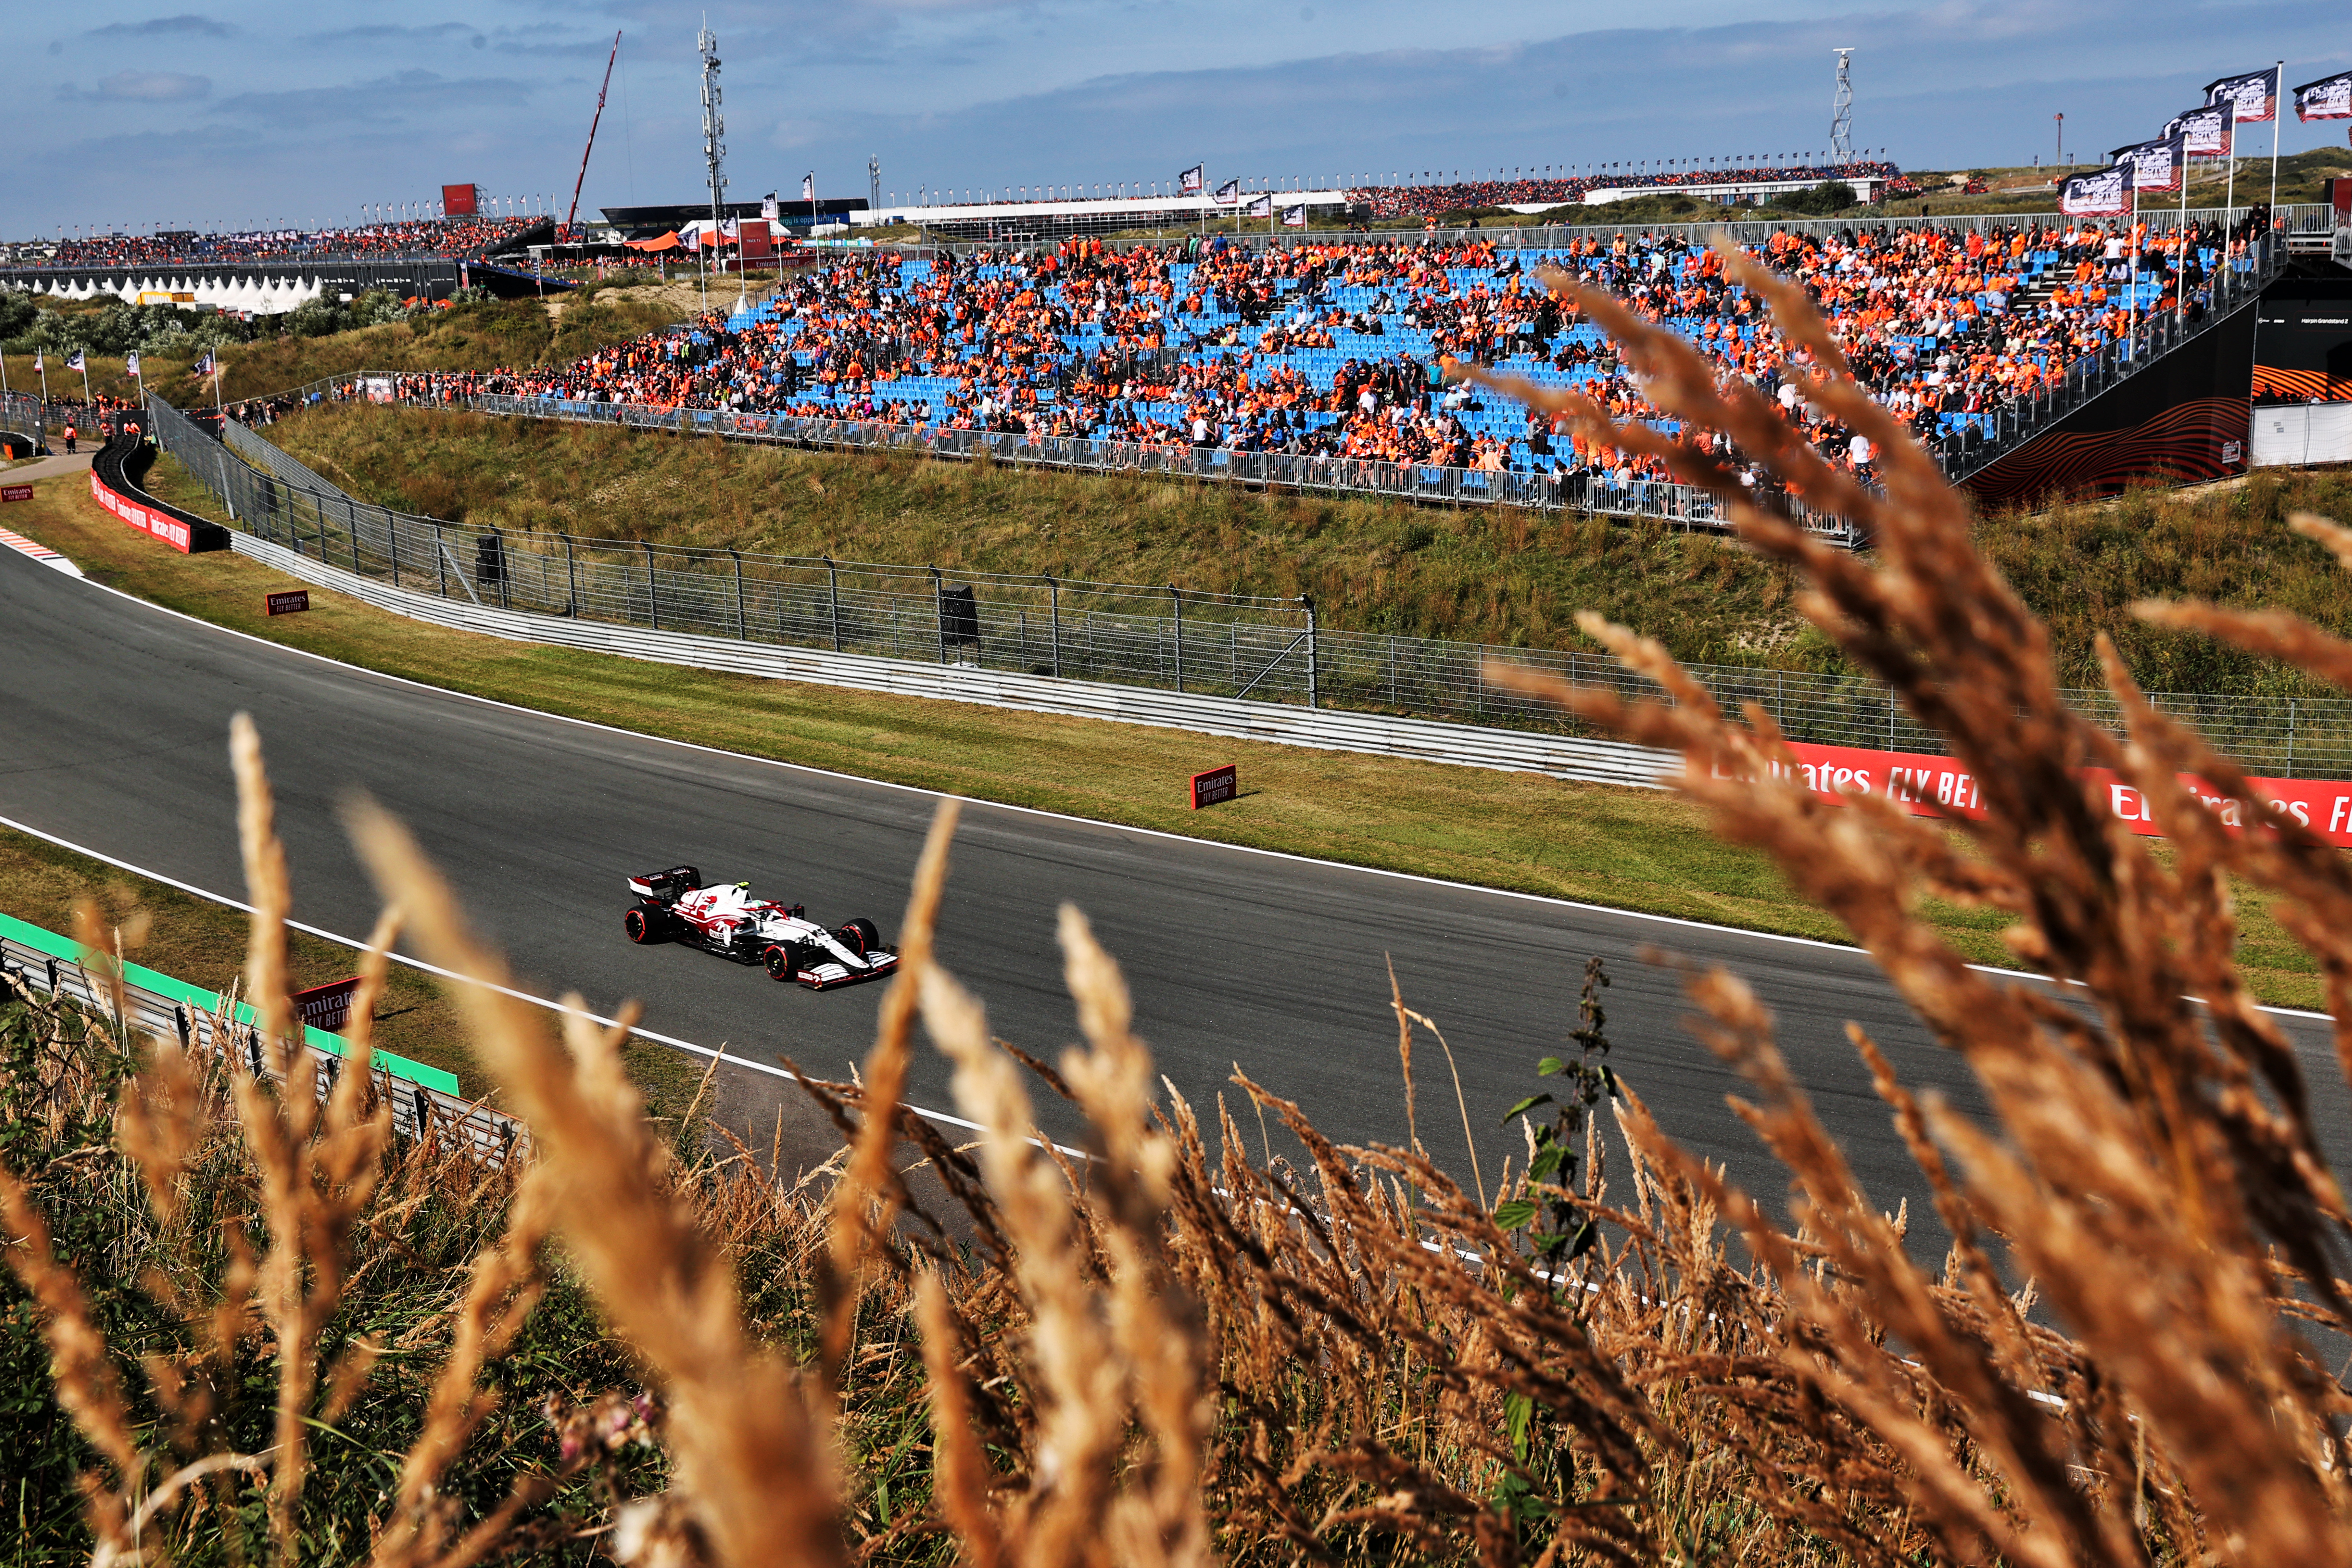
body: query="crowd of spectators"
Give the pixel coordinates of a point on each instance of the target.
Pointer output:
(462, 237)
(1340, 349)
(1470, 196)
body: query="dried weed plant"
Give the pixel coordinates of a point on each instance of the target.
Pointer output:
(1162, 1352)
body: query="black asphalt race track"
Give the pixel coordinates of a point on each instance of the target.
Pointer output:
(114, 735)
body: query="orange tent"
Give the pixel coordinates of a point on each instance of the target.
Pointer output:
(669, 241)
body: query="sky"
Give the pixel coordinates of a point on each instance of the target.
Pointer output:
(269, 112)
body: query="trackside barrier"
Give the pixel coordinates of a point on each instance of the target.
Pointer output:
(421, 1098)
(1470, 745)
(1270, 650)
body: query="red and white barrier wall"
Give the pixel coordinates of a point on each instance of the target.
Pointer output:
(146, 518)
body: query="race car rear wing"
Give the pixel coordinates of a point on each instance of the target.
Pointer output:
(666, 886)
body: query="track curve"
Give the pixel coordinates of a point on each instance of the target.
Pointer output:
(114, 724)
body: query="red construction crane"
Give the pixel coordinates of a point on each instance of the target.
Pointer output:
(591, 132)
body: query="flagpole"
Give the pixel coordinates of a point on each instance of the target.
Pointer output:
(2229, 199)
(2131, 243)
(2278, 114)
(85, 380)
(2180, 240)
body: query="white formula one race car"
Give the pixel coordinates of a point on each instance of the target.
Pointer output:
(674, 906)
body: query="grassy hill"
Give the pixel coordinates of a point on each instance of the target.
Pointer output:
(1499, 576)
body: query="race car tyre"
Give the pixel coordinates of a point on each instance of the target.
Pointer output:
(644, 924)
(782, 961)
(859, 934)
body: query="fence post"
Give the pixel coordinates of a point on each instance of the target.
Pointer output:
(833, 600)
(571, 581)
(1053, 596)
(1312, 692)
(440, 562)
(392, 544)
(938, 612)
(1177, 599)
(2290, 737)
(737, 556)
(653, 592)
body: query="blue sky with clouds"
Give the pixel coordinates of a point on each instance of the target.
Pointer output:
(270, 111)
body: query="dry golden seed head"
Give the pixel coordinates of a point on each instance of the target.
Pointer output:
(2334, 535)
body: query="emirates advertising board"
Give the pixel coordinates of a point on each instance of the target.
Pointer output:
(170, 530)
(1939, 786)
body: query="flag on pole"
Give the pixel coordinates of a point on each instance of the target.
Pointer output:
(1260, 207)
(2256, 93)
(36, 360)
(1294, 217)
(2204, 130)
(768, 208)
(2102, 192)
(2329, 98)
(2155, 165)
(808, 187)
(204, 366)
(74, 361)
(1188, 183)
(1229, 193)
(130, 362)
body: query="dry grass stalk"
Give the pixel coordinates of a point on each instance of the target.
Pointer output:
(865, 1201)
(317, 1176)
(2141, 1148)
(746, 1449)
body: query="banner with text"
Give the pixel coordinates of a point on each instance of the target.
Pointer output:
(2102, 194)
(2329, 98)
(2256, 94)
(1934, 786)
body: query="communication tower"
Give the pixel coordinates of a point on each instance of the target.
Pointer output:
(714, 134)
(1842, 112)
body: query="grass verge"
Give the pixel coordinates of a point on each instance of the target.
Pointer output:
(1643, 850)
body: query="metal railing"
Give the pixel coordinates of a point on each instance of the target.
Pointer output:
(2017, 422)
(199, 1020)
(1270, 650)
(1232, 645)
(25, 416)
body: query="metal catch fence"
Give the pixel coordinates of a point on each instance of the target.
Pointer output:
(1268, 649)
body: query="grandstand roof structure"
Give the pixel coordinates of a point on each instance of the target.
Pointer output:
(1100, 214)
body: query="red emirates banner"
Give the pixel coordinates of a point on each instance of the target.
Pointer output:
(1935, 786)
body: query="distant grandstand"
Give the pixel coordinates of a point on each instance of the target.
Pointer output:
(449, 238)
(1871, 179)
(1062, 213)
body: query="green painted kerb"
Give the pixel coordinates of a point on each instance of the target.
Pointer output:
(197, 999)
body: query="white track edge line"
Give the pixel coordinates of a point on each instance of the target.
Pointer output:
(1682, 922)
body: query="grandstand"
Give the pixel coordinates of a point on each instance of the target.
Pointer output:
(438, 238)
(1747, 185)
(1336, 349)
(265, 272)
